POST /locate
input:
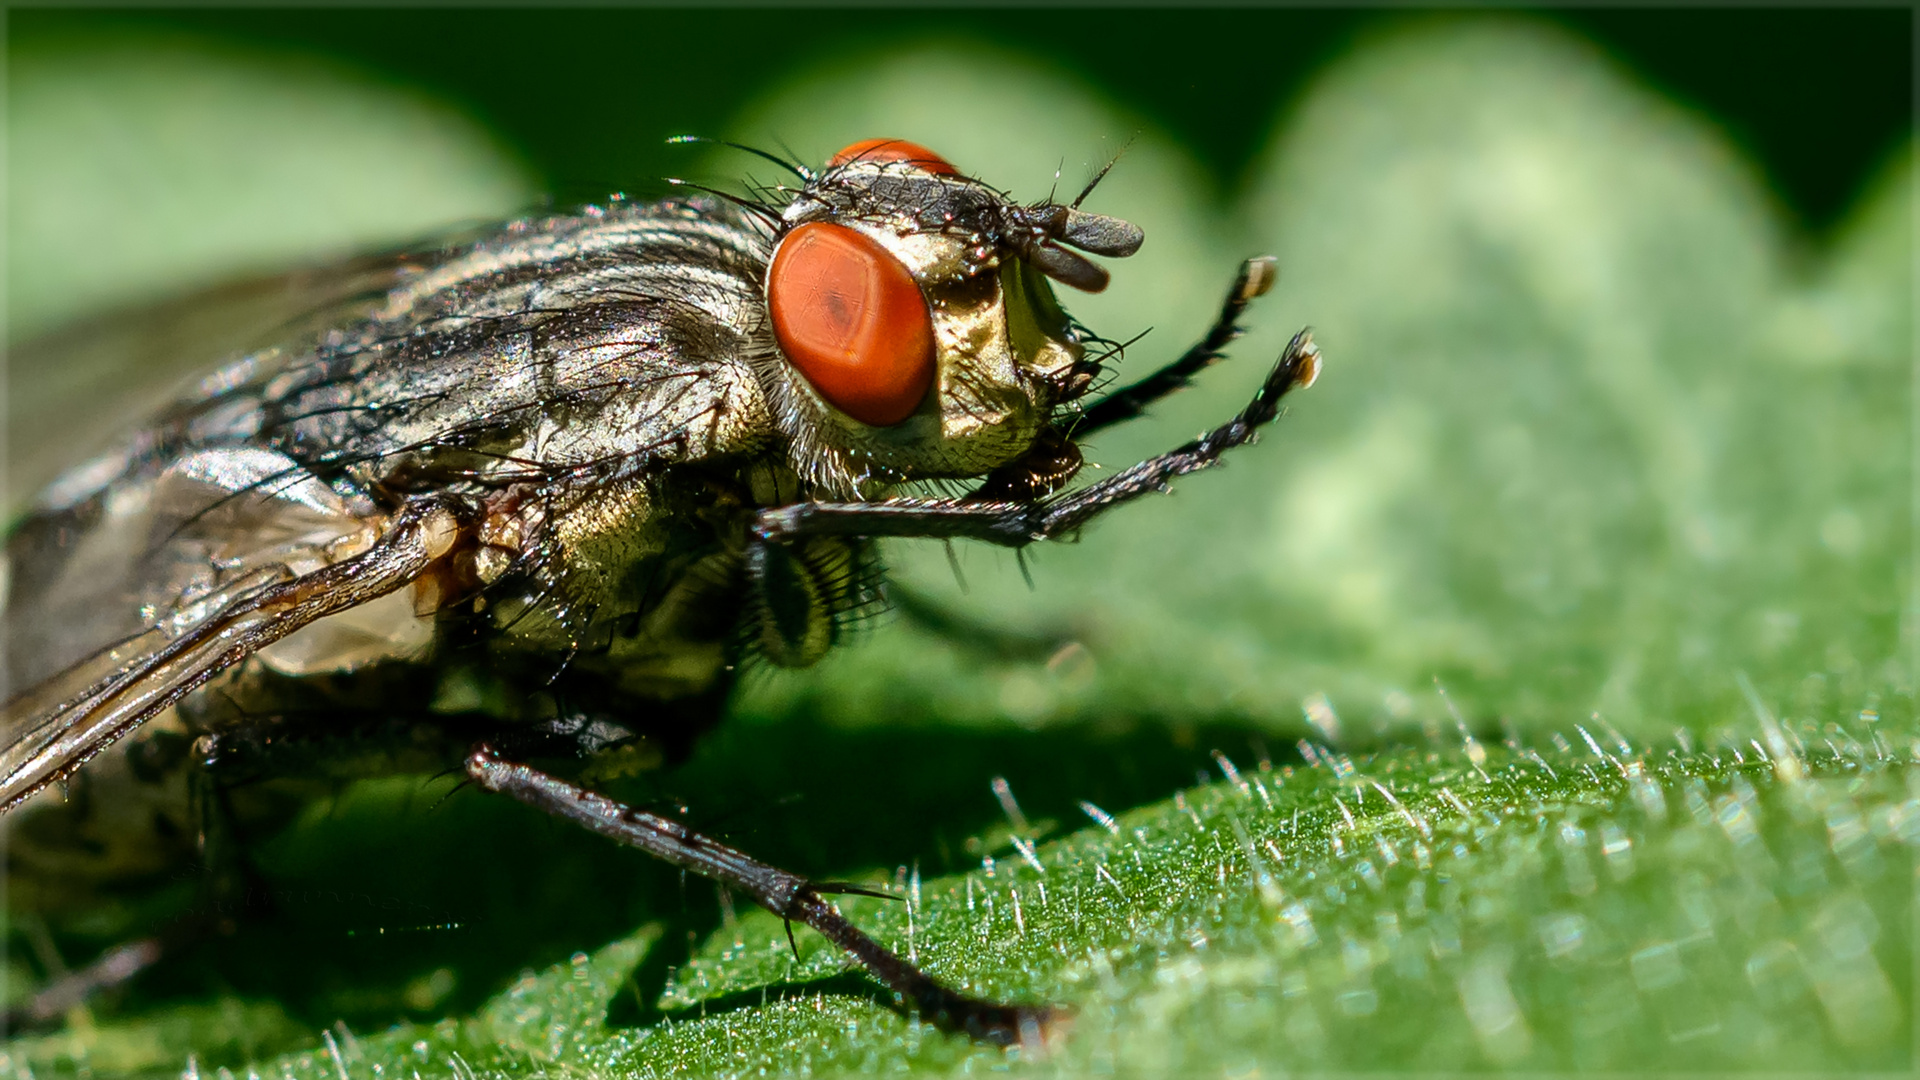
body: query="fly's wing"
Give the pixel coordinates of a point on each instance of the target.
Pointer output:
(52, 729)
(83, 573)
(73, 391)
(136, 578)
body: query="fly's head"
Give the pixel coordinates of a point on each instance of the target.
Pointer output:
(918, 333)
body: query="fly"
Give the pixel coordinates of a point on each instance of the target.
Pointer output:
(522, 506)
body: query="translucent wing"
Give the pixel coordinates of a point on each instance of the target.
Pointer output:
(55, 727)
(73, 391)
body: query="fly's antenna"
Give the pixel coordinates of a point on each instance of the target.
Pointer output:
(791, 165)
(1102, 174)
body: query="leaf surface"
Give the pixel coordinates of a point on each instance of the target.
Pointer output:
(1553, 643)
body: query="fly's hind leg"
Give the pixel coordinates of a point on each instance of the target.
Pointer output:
(787, 895)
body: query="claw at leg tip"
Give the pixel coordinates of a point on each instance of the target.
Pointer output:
(1309, 365)
(1309, 373)
(1257, 276)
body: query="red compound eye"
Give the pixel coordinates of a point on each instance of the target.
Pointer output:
(893, 150)
(851, 318)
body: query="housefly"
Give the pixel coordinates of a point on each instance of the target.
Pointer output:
(523, 505)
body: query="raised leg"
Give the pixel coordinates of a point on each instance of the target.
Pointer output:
(789, 896)
(1255, 278)
(1015, 524)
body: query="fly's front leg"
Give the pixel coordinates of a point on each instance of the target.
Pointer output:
(1015, 524)
(789, 896)
(1255, 278)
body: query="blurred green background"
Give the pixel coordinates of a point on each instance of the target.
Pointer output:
(1603, 504)
(584, 98)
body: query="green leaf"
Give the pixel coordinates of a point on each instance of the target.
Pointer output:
(1578, 588)
(1574, 909)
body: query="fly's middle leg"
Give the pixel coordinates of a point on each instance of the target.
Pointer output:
(790, 896)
